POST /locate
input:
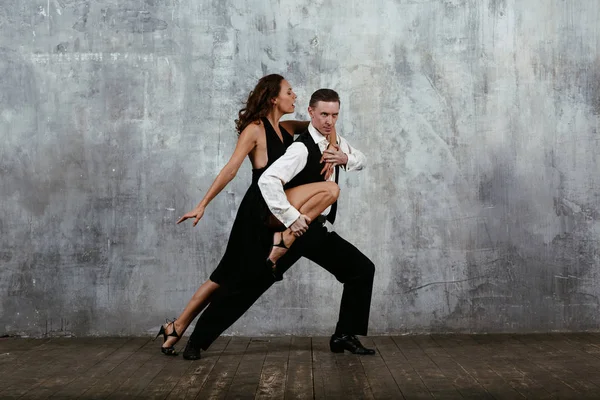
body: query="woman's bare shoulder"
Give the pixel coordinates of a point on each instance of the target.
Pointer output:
(253, 129)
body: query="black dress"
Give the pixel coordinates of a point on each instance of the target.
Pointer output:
(250, 239)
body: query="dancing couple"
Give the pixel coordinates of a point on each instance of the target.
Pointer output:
(281, 218)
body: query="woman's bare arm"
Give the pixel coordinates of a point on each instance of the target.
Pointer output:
(245, 144)
(329, 167)
(295, 127)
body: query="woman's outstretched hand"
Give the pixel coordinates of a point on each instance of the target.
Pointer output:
(196, 213)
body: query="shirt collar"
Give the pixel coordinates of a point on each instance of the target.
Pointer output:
(315, 134)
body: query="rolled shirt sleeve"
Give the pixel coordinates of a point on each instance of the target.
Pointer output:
(356, 159)
(271, 182)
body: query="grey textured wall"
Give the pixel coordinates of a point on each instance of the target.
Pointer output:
(480, 118)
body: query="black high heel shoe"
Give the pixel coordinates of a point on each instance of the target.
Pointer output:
(271, 266)
(168, 351)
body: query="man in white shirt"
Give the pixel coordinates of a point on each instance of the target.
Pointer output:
(302, 163)
(286, 169)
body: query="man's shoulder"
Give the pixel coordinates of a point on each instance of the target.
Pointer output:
(304, 137)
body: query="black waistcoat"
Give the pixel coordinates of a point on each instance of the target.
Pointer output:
(312, 171)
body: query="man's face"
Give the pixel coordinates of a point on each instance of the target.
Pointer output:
(324, 115)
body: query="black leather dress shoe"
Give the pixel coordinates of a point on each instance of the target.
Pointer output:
(339, 343)
(191, 352)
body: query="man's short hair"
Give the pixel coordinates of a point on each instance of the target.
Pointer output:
(327, 95)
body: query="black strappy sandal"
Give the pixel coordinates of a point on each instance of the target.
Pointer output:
(271, 266)
(168, 351)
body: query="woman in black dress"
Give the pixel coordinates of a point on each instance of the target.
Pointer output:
(263, 139)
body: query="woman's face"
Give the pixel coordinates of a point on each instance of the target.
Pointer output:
(286, 98)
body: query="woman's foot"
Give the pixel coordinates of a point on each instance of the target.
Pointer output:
(173, 334)
(281, 244)
(170, 337)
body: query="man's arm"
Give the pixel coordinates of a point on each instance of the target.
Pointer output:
(356, 159)
(271, 182)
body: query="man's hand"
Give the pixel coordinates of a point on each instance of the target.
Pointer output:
(329, 166)
(300, 226)
(196, 213)
(328, 170)
(335, 156)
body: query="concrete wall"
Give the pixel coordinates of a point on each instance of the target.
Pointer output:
(480, 206)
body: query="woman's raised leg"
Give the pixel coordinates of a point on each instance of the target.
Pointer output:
(311, 200)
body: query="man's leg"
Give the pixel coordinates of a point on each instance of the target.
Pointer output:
(356, 272)
(229, 304)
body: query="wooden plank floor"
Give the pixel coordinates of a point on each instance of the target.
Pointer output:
(539, 366)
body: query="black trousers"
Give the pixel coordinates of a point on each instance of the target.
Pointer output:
(327, 249)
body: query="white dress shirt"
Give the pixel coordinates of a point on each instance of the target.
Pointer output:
(285, 168)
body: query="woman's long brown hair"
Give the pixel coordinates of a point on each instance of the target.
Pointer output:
(259, 102)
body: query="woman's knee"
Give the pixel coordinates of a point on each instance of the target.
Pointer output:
(333, 190)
